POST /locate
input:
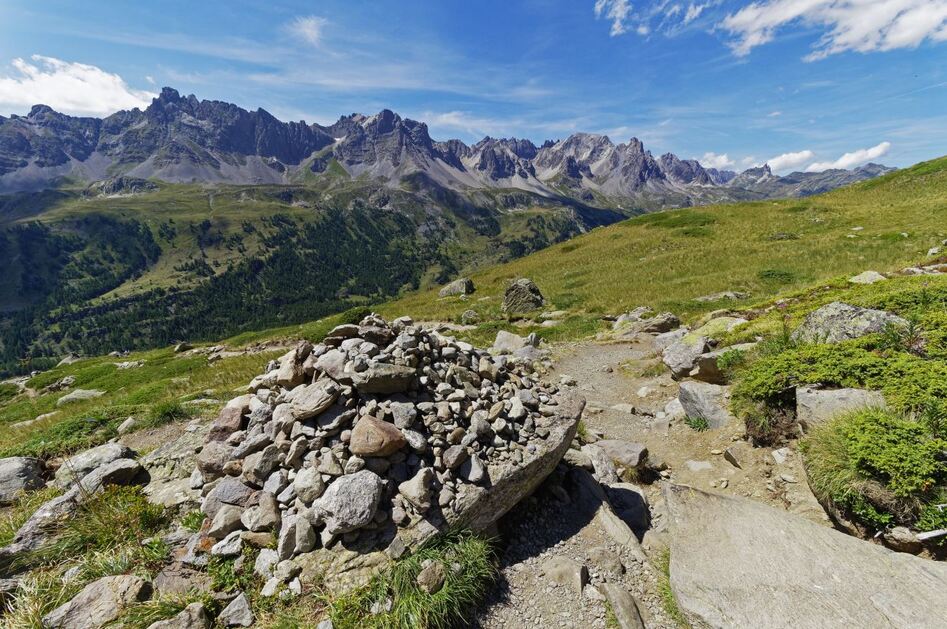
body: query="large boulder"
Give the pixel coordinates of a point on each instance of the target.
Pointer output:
(737, 563)
(522, 296)
(462, 286)
(350, 502)
(311, 400)
(681, 356)
(836, 322)
(815, 406)
(99, 603)
(79, 465)
(17, 475)
(79, 395)
(710, 402)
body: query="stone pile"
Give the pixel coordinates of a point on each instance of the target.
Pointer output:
(375, 439)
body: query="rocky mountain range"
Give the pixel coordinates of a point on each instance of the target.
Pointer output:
(186, 140)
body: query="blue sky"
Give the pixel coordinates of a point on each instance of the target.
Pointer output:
(798, 83)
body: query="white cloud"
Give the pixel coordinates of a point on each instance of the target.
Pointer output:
(749, 162)
(849, 25)
(308, 29)
(615, 10)
(788, 161)
(855, 158)
(774, 114)
(71, 88)
(712, 160)
(694, 11)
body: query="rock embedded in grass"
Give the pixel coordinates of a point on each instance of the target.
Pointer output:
(17, 475)
(522, 296)
(837, 322)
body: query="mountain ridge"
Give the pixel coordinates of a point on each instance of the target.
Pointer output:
(181, 139)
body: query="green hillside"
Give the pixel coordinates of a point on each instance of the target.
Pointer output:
(94, 274)
(665, 260)
(770, 249)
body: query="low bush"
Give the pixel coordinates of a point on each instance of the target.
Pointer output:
(879, 468)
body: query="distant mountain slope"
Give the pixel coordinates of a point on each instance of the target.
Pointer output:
(186, 140)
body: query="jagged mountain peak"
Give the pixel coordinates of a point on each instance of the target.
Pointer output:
(183, 139)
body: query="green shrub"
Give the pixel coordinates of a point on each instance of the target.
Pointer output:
(777, 276)
(8, 391)
(469, 568)
(878, 467)
(697, 423)
(167, 412)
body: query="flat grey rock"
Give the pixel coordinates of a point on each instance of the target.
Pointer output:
(737, 563)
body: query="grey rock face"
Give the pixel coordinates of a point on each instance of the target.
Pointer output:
(99, 603)
(384, 378)
(770, 568)
(462, 286)
(17, 475)
(836, 322)
(707, 401)
(311, 400)
(350, 502)
(522, 296)
(815, 406)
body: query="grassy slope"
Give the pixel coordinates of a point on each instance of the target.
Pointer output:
(661, 260)
(665, 260)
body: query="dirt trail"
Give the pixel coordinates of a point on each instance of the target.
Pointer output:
(614, 378)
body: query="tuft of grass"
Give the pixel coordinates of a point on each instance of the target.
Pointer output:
(697, 423)
(20, 511)
(226, 577)
(192, 520)
(469, 567)
(146, 613)
(116, 517)
(166, 412)
(668, 600)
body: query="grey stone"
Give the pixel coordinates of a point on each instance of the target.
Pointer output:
(384, 378)
(815, 406)
(264, 516)
(118, 472)
(432, 576)
(462, 286)
(681, 356)
(626, 453)
(522, 296)
(258, 466)
(454, 456)
(229, 491)
(417, 490)
(706, 367)
(19, 474)
(567, 573)
(602, 465)
(79, 465)
(99, 603)
(771, 568)
(225, 521)
(473, 470)
(624, 607)
(237, 613)
(836, 322)
(309, 484)
(350, 502)
(311, 400)
(194, 616)
(867, 277)
(230, 546)
(707, 401)
(79, 395)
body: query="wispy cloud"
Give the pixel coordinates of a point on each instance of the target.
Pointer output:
(849, 25)
(307, 29)
(788, 161)
(617, 12)
(68, 87)
(854, 158)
